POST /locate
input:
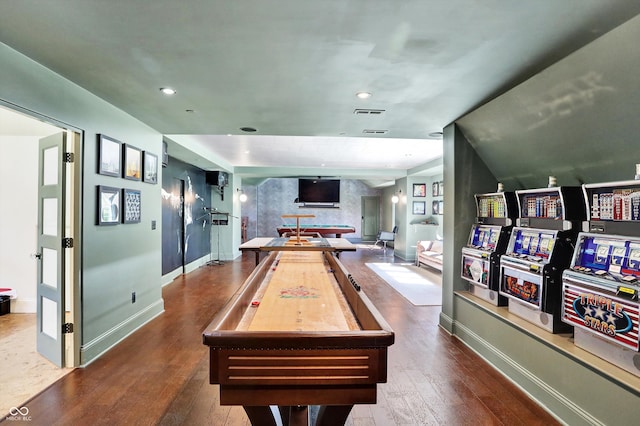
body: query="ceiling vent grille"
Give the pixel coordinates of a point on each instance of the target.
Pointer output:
(360, 111)
(374, 132)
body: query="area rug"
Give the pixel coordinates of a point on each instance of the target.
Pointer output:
(417, 285)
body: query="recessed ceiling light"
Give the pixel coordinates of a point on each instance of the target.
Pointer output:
(248, 129)
(363, 95)
(168, 90)
(435, 135)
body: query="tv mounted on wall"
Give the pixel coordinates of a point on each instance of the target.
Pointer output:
(318, 190)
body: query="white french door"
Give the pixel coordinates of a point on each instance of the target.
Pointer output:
(51, 253)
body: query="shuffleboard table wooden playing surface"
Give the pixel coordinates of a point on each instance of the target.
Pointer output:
(299, 333)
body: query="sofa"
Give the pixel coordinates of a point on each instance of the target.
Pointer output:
(429, 253)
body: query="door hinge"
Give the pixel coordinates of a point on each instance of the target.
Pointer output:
(67, 157)
(67, 328)
(67, 243)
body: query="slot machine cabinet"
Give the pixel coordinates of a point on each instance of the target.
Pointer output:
(488, 240)
(600, 289)
(540, 248)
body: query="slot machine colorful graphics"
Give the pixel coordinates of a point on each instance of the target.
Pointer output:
(540, 248)
(600, 289)
(488, 239)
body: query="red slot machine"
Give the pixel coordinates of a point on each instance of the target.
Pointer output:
(540, 248)
(487, 242)
(602, 286)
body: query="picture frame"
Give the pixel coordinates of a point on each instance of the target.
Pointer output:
(108, 206)
(441, 188)
(419, 190)
(150, 167)
(132, 160)
(131, 206)
(419, 207)
(109, 156)
(435, 207)
(441, 207)
(434, 189)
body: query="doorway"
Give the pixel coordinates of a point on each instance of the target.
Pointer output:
(370, 207)
(20, 261)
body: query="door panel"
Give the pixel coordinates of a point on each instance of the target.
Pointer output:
(370, 218)
(51, 214)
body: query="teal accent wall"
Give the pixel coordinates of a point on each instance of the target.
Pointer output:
(116, 260)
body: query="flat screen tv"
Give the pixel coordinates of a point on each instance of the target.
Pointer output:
(318, 190)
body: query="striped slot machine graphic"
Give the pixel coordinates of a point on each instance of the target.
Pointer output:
(613, 318)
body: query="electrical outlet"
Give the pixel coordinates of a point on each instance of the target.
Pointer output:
(133, 297)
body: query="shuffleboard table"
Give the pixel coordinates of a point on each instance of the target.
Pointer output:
(299, 333)
(267, 244)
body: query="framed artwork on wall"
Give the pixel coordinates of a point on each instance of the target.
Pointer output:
(150, 168)
(131, 202)
(419, 190)
(109, 156)
(434, 207)
(441, 188)
(108, 205)
(440, 207)
(419, 207)
(132, 162)
(434, 189)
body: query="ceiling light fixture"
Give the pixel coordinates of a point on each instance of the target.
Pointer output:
(168, 91)
(435, 135)
(248, 129)
(363, 95)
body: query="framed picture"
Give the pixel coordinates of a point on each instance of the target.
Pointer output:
(419, 207)
(131, 203)
(109, 156)
(419, 190)
(132, 162)
(150, 167)
(108, 205)
(434, 189)
(441, 188)
(440, 207)
(434, 207)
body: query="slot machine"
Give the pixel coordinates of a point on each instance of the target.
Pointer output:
(600, 289)
(487, 242)
(540, 248)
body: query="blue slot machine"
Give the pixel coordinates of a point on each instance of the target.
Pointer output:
(539, 249)
(602, 286)
(487, 242)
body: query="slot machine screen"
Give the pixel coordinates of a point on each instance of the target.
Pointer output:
(609, 254)
(483, 236)
(532, 242)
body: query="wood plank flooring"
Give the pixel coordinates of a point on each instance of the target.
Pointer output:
(159, 375)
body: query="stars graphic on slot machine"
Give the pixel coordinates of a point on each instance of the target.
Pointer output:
(601, 314)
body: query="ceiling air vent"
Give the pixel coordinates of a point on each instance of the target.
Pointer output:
(374, 132)
(361, 111)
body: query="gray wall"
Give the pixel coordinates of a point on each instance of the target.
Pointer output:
(275, 197)
(116, 260)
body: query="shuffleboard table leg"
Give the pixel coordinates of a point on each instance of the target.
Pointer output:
(295, 415)
(260, 415)
(333, 415)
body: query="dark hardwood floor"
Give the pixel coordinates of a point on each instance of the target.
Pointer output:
(159, 375)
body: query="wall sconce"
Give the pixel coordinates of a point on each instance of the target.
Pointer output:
(242, 197)
(396, 196)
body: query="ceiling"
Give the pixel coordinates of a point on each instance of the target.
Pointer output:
(291, 70)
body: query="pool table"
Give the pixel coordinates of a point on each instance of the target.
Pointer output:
(323, 230)
(301, 335)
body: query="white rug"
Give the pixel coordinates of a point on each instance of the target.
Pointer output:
(418, 285)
